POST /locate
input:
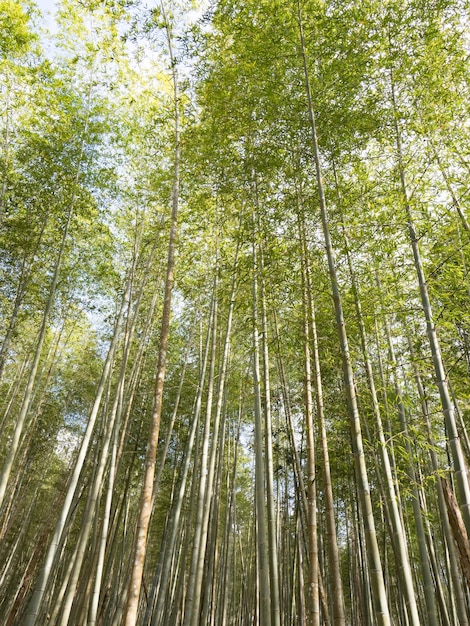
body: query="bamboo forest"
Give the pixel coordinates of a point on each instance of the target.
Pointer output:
(235, 313)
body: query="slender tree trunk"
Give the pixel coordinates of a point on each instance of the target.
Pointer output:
(13, 392)
(460, 468)
(28, 394)
(198, 548)
(298, 473)
(26, 269)
(222, 606)
(92, 507)
(377, 580)
(110, 432)
(169, 543)
(429, 591)
(6, 150)
(135, 581)
(302, 609)
(35, 604)
(313, 609)
(455, 576)
(208, 495)
(260, 481)
(94, 603)
(271, 517)
(211, 582)
(396, 526)
(332, 541)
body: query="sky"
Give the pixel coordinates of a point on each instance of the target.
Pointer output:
(47, 9)
(46, 5)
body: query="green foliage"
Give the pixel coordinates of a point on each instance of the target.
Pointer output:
(88, 132)
(16, 36)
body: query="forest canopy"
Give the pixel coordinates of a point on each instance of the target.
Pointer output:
(235, 313)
